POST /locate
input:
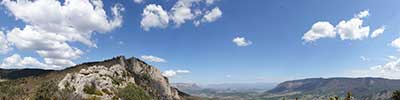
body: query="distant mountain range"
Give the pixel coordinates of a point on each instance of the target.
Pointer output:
(19, 73)
(305, 89)
(114, 79)
(324, 88)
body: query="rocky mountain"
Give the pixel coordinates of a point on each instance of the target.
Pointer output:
(114, 79)
(323, 88)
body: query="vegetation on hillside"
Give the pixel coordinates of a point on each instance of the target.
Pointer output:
(91, 89)
(132, 92)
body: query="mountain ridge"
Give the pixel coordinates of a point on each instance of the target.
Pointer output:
(365, 88)
(99, 79)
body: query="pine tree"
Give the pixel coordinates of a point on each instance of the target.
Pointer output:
(396, 95)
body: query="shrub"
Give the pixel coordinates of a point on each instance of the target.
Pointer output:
(46, 91)
(132, 92)
(146, 76)
(91, 89)
(11, 88)
(396, 95)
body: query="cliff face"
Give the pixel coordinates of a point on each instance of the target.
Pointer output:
(114, 79)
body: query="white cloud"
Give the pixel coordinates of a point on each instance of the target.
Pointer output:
(377, 32)
(18, 62)
(138, 1)
(362, 14)
(181, 12)
(4, 44)
(319, 30)
(212, 15)
(396, 43)
(75, 19)
(173, 73)
(352, 29)
(389, 70)
(210, 1)
(154, 16)
(51, 46)
(52, 25)
(241, 41)
(391, 57)
(152, 58)
(58, 62)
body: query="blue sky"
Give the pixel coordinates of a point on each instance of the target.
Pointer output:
(270, 33)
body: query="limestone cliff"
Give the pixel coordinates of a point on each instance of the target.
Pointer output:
(115, 79)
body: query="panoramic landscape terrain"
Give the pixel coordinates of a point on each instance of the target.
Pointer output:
(199, 50)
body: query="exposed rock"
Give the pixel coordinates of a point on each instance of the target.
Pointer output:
(101, 80)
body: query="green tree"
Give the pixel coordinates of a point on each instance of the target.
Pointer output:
(396, 95)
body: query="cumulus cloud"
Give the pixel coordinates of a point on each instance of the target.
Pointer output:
(173, 73)
(75, 19)
(396, 43)
(212, 15)
(363, 14)
(4, 44)
(319, 30)
(152, 58)
(51, 25)
(17, 62)
(181, 12)
(241, 41)
(352, 29)
(48, 45)
(154, 16)
(377, 32)
(390, 69)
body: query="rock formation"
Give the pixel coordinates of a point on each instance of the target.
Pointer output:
(114, 79)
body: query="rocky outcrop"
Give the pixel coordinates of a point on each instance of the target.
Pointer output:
(118, 73)
(114, 79)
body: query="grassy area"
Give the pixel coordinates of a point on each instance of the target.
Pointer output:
(46, 91)
(132, 92)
